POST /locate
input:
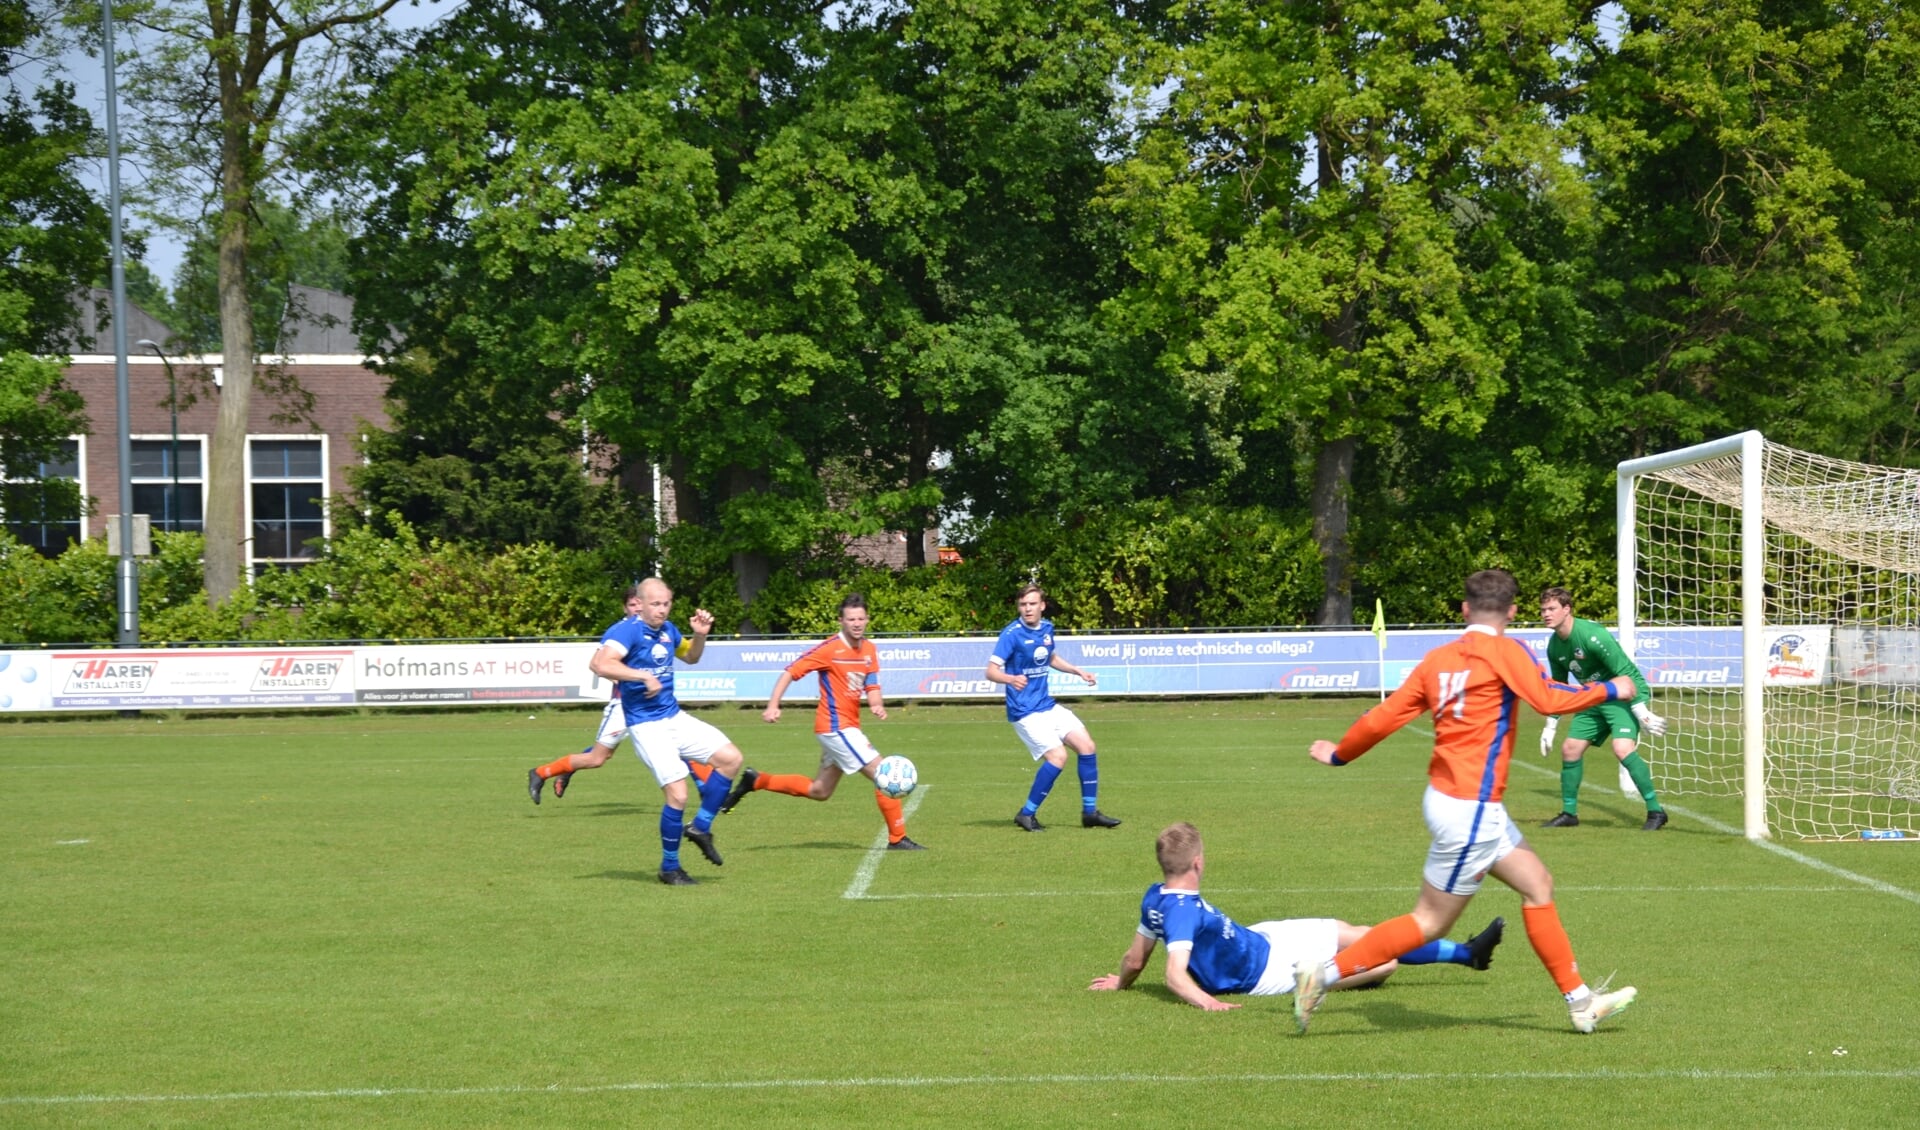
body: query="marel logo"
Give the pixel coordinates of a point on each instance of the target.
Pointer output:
(1696, 677)
(949, 682)
(1311, 679)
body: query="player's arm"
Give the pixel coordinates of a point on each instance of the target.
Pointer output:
(1185, 987)
(694, 646)
(997, 673)
(780, 685)
(1401, 707)
(1131, 963)
(1060, 664)
(1516, 668)
(875, 701)
(609, 662)
(1642, 705)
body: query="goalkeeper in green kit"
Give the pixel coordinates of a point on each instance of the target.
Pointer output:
(1588, 653)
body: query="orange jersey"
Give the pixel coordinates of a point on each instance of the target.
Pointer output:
(1473, 688)
(846, 671)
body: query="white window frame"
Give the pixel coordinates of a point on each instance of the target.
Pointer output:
(201, 440)
(80, 463)
(326, 493)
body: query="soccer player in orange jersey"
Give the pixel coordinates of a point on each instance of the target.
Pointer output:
(848, 667)
(1472, 688)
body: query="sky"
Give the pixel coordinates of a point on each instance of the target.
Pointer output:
(88, 74)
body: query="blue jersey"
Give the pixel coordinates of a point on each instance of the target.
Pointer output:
(1224, 957)
(650, 650)
(1026, 651)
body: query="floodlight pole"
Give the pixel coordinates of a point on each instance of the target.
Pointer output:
(129, 634)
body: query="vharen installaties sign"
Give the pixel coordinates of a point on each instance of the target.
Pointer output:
(1188, 663)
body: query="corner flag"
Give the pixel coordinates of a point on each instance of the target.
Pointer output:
(1379, 621)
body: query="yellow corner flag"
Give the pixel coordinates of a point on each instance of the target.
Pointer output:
(1379, 621)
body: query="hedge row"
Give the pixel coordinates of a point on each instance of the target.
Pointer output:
(1153, 564)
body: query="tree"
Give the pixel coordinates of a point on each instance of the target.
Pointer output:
(219, 93)
(53, 240)
(1320, 206)
(285, 249)
(786, 254)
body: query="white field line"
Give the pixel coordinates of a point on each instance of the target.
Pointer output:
(863, 878)
(1756, 889)
(1867, 881)
(1798, 1078)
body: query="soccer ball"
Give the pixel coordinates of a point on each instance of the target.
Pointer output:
(895, 776)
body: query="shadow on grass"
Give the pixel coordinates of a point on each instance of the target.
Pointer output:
(642, 876)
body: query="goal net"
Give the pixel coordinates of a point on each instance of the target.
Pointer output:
(1772, 598)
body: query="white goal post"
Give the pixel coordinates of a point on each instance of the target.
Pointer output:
(1772, 598)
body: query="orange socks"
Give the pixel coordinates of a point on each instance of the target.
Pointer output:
(792, 784)
(1550, 941)
(896, 819)
(1381, 944)
(556, 767)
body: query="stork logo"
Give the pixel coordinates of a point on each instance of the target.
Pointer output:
(296, 673)
(109, 676)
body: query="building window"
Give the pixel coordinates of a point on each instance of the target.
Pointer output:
(286, 501)
(169, 495)
(43, 508)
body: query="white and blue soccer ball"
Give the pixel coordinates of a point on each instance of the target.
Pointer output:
(895, 776)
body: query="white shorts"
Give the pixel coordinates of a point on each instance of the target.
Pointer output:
(1294, 940)
(849, 750)
(1469, 837)
(613, 725)
(667, 744)
(1047, 730)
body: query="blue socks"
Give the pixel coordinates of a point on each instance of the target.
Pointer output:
(1042, 785)
(1440, 951)
(713, 794)
(672, 820)
(1089, 781)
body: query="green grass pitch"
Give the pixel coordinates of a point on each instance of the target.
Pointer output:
(360, 919)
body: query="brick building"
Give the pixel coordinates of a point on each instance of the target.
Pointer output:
(294, 467)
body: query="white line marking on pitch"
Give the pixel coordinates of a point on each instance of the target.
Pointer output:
(1600, 1075)
(1772, 889)
(70, 843)
(1883, 887)
(863, 878)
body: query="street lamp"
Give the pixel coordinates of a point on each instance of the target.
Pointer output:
(173, 456)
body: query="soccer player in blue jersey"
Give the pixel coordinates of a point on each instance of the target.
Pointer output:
(1021, 661)
(639, 652)
(1209, 954)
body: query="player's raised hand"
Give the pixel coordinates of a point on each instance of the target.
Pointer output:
(1323, 751)
(701, 621)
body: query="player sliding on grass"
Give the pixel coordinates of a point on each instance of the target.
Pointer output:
(607, 738)
(1472, 688)
(1021, 661)
(639, 654)
(849, 667)
(1589, 653)
(1209, 954)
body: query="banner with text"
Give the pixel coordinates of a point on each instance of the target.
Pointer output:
(1197, 663)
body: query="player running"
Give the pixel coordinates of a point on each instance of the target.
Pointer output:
(1472, 688)
(1021, 662)
(1588, 653)
(1209, 954)
(849, 668)
(639, 654)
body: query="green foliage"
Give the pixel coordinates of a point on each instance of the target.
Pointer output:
(284, 248)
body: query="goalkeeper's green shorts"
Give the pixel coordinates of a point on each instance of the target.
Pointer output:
(1606, 723)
